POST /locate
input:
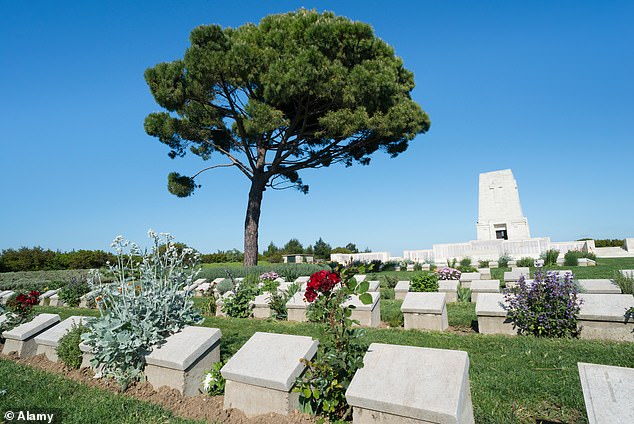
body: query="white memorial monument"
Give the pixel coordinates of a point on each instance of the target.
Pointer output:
(500, 214)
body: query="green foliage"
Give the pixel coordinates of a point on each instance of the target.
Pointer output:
(483, 264)
(38, 259)
(571, 258)
(222, 256)
(424, 282)
(279, 299)
(607, 242)
(40, 280)
(464, 294)
(322, 388)
(73, 291)
(269, 286)
(550, 257)
(625, 283)
(526, 262)
(452, 263)
(180, 185)
(142, 308)
(418, 267)
(293, 246)
(391, 312)
(388, 281)
(549, 307)
(68, 348)
(224, 286)
(214, 382)
(238, 305)
(503, 261)
(322, 249)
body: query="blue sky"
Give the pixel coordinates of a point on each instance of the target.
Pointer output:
(544, 88)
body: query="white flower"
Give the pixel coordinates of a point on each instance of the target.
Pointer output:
(207, 382)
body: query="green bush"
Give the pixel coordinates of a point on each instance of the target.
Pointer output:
(238, 305)
(137, 315)
(387, 293)
(483, 264)
(625, 283)
(571, 258)
(607, 242)
(464, 294)
(279, 299)
(503, 261)
(68, 349)
(526, 262)
(73, 291)
(550, 257)
(424, 282)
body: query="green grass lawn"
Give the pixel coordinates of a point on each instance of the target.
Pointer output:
(29, 388)
(513, 379)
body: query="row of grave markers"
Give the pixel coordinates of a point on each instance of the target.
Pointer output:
(397, 384)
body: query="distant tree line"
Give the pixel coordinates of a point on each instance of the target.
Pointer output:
(39, 259)
(321, 250)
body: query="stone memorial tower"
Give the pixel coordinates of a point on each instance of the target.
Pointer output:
(500, 214)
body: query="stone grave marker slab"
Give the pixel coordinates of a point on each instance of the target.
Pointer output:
(48, 340)
(426, 311)
(484, 286)
(450, 289)
(180, 362)
(21, 339)
(407, 385)
(492, 315)
(603, 317)
(608, 392)
(401, 289)
(367, 315)
(605, 286)
(261, 375)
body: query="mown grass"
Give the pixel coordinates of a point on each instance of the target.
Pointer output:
(35, 390)
(513, 379)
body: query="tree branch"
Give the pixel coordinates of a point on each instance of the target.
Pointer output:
(212, 167)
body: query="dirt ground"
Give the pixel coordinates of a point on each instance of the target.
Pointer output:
(201, 407)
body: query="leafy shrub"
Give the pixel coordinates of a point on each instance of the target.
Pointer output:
(549, 307)
(550, 257)
(214, 382)
(483, 264)
(571, 258)
(453, 263)
(73, 291)
(389, 281)
(390, 266)
(465, 265)
(224, 286)
(526, 262)
(239, 305)
(138, 313)
(625, 283)
(503, 261)
(464, 294)
(279, 299)
(424, 282)
(68, 349)
(418, 267)
(322, 388)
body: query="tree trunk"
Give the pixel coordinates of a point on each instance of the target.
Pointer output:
(252, 221)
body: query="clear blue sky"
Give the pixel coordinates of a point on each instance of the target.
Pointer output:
(544, 88)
